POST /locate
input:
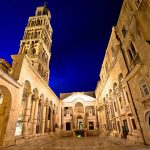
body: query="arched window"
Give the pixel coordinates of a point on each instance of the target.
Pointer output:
(115, 106)
(38, 22)
(43, 55)
(147, 118)
(104, 100)
(121, 102)
(33, 51)
(35, 34)
(39, 68)
(115, 87)
(1, 98)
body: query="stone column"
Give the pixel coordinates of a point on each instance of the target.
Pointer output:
(43, 117)
(54, 119)
(127, 117)
(62, 121)
(60, 115)
(73, 118)
(32, 115)
(35, 116)
(84, 119)
(51, 120)
(96, 119)
(27, 114)
(118, 112)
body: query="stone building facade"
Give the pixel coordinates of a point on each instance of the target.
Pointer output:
(78, 113)
(120, 105)
(28, 107)
(123, 91)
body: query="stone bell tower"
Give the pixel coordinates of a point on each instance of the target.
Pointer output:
(37, 41)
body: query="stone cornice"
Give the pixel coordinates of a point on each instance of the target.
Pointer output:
(9, 79)
(3, 61)
(40, 78)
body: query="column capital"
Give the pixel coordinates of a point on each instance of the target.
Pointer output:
(36, 99)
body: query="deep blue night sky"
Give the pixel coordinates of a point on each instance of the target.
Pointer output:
(81, 31)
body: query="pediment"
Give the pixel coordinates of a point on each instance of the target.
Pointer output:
(78, 97)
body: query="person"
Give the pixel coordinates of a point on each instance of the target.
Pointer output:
(124, 132)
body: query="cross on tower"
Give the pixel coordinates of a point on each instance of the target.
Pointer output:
(45, 3)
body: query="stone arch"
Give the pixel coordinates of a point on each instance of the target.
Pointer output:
(6, 100)
(78, 104)
(79, 117)
(79, 108)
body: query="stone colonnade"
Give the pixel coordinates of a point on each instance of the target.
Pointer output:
(39, 115)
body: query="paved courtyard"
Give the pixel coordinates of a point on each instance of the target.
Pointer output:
(88, 143)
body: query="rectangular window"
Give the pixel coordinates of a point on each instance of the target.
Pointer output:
(146, 91)
(124, 31)
(118, 124)
(133, 124)
(143, 87)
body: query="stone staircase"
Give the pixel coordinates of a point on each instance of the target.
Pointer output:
(33, 141)
(118, 140)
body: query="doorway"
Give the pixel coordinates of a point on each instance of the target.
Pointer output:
(126, 125)
(80, 123)
(68, 126)
(91, 126)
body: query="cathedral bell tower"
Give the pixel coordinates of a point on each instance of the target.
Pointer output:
(37, 41)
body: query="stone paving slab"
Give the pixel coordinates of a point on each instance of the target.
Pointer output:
(86, 143)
